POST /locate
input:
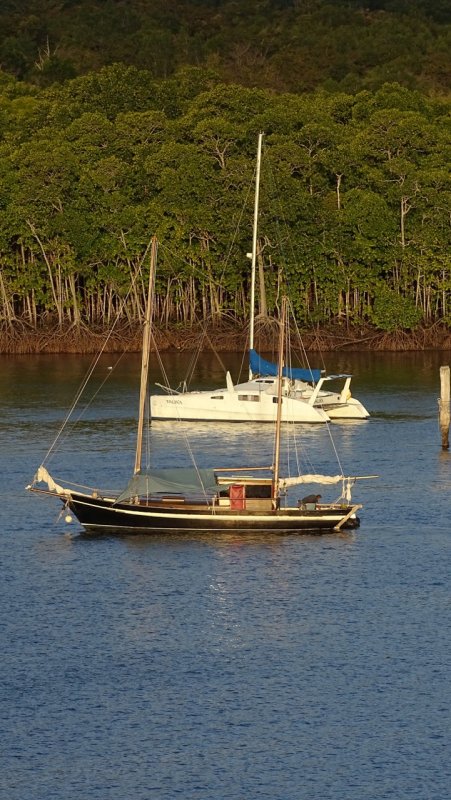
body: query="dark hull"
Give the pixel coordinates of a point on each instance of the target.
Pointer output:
(99, 514)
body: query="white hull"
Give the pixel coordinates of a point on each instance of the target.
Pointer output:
(351, 409)
(337, 405)
(256, 401)
(225, 406)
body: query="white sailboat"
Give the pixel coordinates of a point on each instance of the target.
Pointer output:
(304, 397)
(239, 499)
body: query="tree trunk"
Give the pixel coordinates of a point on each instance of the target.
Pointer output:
(55, 293)
(338, 177)
(7, 304)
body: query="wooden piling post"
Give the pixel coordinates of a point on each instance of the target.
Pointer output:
(444, 410)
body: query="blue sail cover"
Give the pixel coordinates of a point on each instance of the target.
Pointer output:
(262, 367)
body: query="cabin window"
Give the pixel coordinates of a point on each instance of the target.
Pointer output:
(217, 397)
(259, 491)
(252, 398)
(275, 399)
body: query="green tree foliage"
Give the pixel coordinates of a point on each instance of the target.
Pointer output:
(391, 311)
(354, 210)
(284, 45)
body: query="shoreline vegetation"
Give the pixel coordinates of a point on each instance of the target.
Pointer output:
(20, 339)
(155, 133)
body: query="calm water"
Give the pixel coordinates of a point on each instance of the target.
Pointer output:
(290, 668)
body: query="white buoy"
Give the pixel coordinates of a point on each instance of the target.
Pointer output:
(68, 518)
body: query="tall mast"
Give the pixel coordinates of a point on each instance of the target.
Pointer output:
(254, 245)
(145, 355)
(279, 399)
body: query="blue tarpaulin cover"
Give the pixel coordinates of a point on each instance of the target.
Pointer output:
(262, 367)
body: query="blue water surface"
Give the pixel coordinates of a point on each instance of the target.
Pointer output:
(214, 667)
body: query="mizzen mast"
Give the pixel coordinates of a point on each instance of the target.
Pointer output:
(279, 401)
(146, 354)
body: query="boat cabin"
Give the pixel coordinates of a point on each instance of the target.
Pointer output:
(246, 493)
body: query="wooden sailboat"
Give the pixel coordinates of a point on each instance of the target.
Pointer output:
(305, 396)
(241, 499)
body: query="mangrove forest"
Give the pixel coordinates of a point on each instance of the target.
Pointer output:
(354, 213)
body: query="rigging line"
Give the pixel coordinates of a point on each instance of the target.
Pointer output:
(291, 433)
(148, 445)
(250, 189)
(238, 226)
(63, 438)
(191, 455)
(300, 343)
(280, 216)
(193, 361)
(94, 362)
(244, 355)
(207, 337)
(291, 428)
(180, 423)
(291, 308)
(202, 324)
(303, 461)
(161, 364)
(328, 424)
(166, 382)
(195, 357)
(200, 272)
(78, 395)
